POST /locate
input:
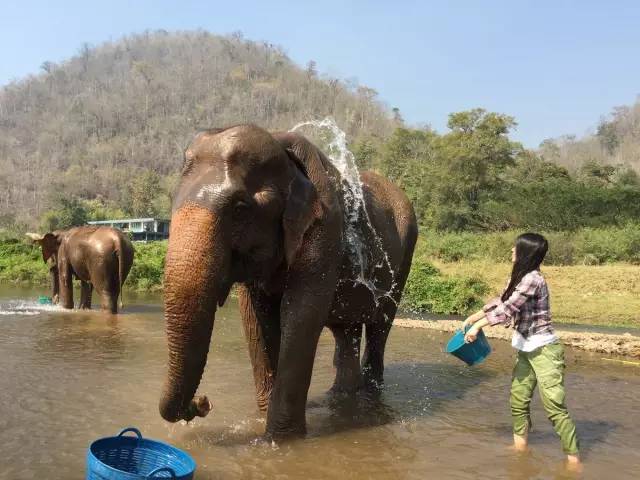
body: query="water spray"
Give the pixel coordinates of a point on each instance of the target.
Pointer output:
(355, 208)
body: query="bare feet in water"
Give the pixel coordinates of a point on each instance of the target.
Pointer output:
(574, 464)
(519, 443)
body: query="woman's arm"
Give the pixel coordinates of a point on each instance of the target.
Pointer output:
(471, 319)
(480, 314)
(472, 333)
(504, 311)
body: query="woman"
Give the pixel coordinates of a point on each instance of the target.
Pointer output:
(524, 304)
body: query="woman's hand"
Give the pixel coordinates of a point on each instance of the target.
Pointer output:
(472, 334)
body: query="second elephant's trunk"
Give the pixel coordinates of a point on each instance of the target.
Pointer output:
(196, 279)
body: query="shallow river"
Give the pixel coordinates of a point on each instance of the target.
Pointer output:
(67, 378)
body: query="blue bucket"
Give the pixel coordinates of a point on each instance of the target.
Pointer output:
(470, 353)
(131, 458)
(43, 300)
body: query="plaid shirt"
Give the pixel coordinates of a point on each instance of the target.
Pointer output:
(527, 309)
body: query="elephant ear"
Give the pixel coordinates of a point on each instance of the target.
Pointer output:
(302, 206)
(50, 244)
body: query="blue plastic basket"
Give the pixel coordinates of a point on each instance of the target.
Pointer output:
(131, 458)
(470, 353)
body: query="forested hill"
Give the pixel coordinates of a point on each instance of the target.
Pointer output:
(616, 141)
(110, 124)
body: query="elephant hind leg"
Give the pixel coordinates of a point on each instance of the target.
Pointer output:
(377, 332)
(109, 301)
(86, 289)
(346, 358)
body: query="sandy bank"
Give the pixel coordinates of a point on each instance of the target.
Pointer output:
(624, 344)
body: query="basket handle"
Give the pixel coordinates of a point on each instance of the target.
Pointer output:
(131, 429)
(163, 469)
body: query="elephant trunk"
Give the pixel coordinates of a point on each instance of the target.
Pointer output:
(196, 279)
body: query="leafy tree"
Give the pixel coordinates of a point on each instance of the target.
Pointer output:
(407, 158)
(99, 209)
(142, 192)
(468, 164)
(608, 136)
(597, 174)
(365, 152)
(530, 167)
(626, 176)
(65, 213)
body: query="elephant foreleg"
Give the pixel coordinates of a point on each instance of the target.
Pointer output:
(304, 311)
(55, 285)
(260, 319)
(86, 289)
(66, 283)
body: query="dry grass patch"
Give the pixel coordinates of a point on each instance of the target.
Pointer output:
(607, 295)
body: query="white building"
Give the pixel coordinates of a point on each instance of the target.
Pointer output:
(143, 229)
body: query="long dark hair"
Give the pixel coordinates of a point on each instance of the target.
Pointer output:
(530, 251)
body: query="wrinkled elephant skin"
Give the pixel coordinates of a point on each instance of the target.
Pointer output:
(266, 211)
(100, 257)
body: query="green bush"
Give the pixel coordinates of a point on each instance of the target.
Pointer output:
(22, 263)
(586, 246)
(598, 246)
(427, 290)
(148, 266)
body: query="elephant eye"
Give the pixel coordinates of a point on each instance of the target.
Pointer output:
(240, 209)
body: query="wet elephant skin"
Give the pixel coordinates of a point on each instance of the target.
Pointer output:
(266, 211)
(100, 257)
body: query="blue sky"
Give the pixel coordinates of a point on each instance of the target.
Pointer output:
(557, 66)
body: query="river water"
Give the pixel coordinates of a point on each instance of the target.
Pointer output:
(68, 378)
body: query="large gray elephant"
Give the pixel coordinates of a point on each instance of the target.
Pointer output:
(100, 257)
(267, 211)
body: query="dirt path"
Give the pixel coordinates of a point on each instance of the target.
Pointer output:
(625, 344)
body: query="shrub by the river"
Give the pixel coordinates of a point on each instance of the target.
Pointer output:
(428, 291)
(22, 263)
(148, 266)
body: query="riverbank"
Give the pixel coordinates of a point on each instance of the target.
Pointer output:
(626, 344)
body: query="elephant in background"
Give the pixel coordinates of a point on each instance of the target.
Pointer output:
(267, 211)
(100, 257)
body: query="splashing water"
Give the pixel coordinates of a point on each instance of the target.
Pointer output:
(26, 308)
(355, 209)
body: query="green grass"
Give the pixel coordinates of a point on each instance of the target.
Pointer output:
(605, 295)
(586, 246)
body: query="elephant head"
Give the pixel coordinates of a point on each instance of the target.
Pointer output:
(50, 245)
(242, 207)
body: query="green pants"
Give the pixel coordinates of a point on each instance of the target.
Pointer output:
(545, 366)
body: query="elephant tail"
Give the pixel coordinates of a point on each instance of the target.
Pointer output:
(120, 275)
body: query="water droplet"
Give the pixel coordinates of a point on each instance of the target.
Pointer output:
(355, 210)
